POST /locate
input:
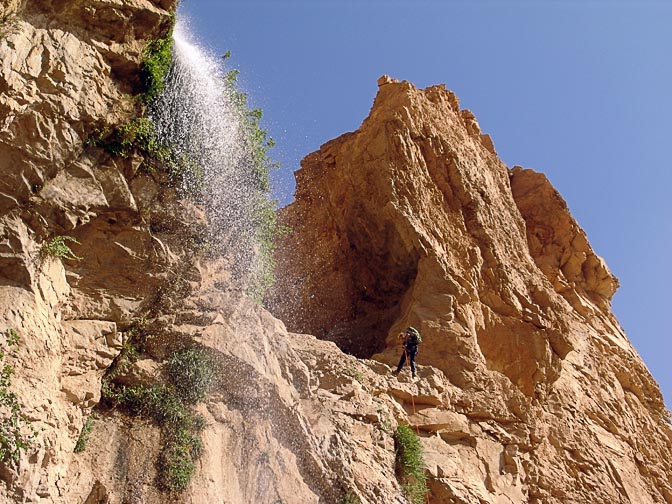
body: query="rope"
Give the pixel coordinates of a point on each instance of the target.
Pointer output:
(417, 429)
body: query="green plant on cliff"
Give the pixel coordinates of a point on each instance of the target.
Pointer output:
(258, 142)
(139, 136)
(180, 428)
(16, 433)
(58, 247)
(192, 374)
(410, 466)
(350, 498)
(123, 140)
(156, 61)
(134, 343)
(87, 428)
(268, 231)
(191, 377)
(353, 372)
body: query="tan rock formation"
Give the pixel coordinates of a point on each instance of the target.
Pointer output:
(536, 395)
(293, 419)
(64, 70)
(413, 220)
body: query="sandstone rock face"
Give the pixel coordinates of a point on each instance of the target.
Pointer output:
(65, 69)
(293, 419)
(528, 389)
(413, 220)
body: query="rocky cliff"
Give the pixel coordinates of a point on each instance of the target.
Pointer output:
(413, 220)
(528, 390)
(67, 70)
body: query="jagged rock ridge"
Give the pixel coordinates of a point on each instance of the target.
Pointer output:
(413, 220)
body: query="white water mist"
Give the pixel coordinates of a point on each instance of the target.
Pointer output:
(196, 115)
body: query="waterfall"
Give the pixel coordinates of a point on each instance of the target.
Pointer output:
(209, 135)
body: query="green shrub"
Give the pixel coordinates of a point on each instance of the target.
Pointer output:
(58, 247)
(156, 402)
(268, 231)
(258, 141)
(350, 498)
(410, 466)
(177, 467)
(354, 373)
(157, 58)
(191, 377)
(87, 428)
(16, 433)
(179, 425)
(136, 339)
(137, 134)
(191, 373)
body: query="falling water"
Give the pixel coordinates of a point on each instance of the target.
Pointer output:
(196, 116)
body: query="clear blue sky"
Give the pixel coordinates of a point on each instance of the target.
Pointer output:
(580, 90)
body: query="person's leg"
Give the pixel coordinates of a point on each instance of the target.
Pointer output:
(411, 357)
(402, 361)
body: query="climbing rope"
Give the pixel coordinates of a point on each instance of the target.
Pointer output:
(417, 429)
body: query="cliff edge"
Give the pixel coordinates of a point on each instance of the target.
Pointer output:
(412, 220)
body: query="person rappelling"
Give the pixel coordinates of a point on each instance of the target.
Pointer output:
(410, 340)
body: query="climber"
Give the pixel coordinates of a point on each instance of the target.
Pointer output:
(410, 339)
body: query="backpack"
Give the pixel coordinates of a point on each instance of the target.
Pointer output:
(415, 339)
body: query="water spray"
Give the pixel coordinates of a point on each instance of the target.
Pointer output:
(200, 116)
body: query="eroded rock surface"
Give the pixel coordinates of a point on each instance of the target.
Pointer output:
(413, 220)
(528, 389)
(65, 71)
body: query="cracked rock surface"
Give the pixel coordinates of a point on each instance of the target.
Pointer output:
(527, 390)
(412, 219)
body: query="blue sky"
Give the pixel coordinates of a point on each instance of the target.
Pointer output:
(580, 90)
